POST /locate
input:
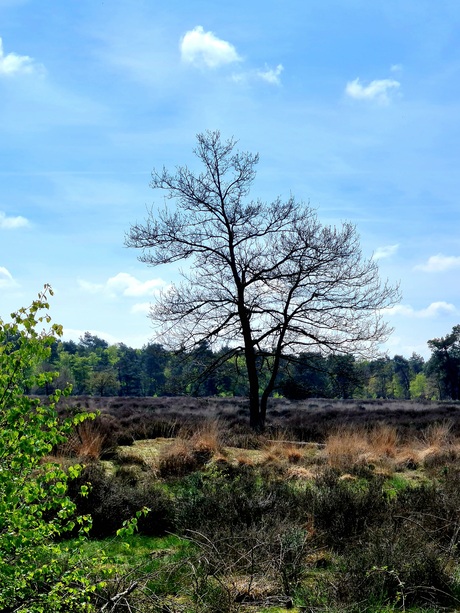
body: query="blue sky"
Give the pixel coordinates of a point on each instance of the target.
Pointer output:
(352, 105)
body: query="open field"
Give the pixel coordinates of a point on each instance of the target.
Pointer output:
(339, 506)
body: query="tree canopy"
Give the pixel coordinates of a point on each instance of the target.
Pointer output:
(266, 280)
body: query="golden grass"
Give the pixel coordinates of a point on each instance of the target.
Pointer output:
(191, 450)
(438, 435)
(381, 447)
(300, 473)
(177, 458)
(383, 440)
(346, 448)
(244, 460)
(207, 438)
(280, 447)
(85, 442)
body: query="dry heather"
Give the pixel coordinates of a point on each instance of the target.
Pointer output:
(129, 419)
(386, 436)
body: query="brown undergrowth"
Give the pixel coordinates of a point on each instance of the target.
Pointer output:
(191, 449)
(382, 447)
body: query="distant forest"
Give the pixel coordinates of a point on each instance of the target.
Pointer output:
(93, 367)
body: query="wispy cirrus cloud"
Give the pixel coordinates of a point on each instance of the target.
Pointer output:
(440, 263)
(377, 90)
(385, 252)
(6, 278)
(205, 49)
(124, 284)
(11, 223)
(435, 309)
(12, 63)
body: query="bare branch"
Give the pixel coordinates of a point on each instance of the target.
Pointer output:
(266, 278)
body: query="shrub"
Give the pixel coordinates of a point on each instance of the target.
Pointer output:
(396, 564)
(226, 499)
(36, 574)
(114, 499)
(343, 509)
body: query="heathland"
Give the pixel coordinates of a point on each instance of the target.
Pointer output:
(337, 506)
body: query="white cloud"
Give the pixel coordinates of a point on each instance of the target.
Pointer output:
(10, 223)
(433, 310)
(376, 90)
(440, 263)
(396, 68)
(72, 334)
(12, 63)
(385, 252)
(91, 288)
(202, 48)
(141, 307)
(130, 286)
(271, 75)
(6, 278)
(124, 284)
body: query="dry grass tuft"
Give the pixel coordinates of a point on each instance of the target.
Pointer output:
(382, 447)
(85, 442)
(243, 459)
(438, 435)
(300, 473)
(220, 459)
(207, 438)
(191, 450)
(346, 448)
(435, 447)
(383, 440)
(281, 447)
(293, 454)
(177, 459)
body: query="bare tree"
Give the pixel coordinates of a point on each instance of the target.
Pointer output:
(265, 280)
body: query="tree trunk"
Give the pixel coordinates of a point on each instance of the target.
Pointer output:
(263, 407)
(255, 420)
(271, 383)
(264, 400)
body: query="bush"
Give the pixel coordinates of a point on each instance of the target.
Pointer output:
(343, 509)
(114, 499)
(36, 574)
(396, 564)
(227, 499)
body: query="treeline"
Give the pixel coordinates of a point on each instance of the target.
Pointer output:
(93, 367)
